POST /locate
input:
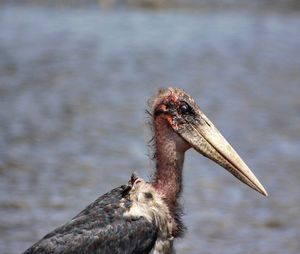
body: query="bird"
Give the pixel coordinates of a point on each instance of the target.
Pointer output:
(145, 216)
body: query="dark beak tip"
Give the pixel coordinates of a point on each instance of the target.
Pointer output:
(262, 191)
(265, 193)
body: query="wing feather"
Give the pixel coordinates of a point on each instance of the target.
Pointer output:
(101, 228)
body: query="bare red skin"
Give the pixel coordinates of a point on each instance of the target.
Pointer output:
(170, 150)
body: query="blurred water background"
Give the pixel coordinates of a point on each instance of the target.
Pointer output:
(74, 82)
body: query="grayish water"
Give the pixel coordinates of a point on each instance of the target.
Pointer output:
(74, 85)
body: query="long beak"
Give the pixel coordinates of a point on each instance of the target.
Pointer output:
(207, 140)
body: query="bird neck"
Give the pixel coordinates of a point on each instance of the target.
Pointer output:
(170, 150)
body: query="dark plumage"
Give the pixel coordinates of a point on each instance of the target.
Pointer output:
(101, 228)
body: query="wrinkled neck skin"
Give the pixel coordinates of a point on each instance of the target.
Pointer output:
(170, 150)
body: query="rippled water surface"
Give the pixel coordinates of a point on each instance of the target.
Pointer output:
(73, 90)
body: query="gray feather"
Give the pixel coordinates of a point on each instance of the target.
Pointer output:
(101, 228)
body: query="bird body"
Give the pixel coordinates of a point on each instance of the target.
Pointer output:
(111, 223)
(144, 217)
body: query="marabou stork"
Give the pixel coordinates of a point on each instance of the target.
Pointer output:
(144, 217)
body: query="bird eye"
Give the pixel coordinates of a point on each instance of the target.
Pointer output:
(185, 108)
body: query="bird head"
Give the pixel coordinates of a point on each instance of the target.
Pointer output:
(183, 115)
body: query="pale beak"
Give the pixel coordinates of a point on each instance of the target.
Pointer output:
(203, 136)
